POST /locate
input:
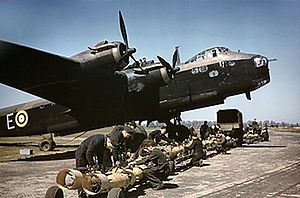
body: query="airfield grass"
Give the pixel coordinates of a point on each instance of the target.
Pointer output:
(287, 129)
(10, 146)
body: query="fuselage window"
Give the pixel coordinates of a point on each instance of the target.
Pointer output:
(231, 63)
(213, 73)
(195, 70)
(203, 68)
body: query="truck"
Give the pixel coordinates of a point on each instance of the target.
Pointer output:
(230, 122)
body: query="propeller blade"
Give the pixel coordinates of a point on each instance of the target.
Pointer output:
(136, 62)
(170, 70)
(164, 63)
(123, 29)
(175, 56)
(129, 51)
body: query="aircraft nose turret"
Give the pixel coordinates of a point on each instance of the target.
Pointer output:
(260, 74)
(260, 61)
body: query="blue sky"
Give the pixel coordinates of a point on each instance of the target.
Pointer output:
(267, 27)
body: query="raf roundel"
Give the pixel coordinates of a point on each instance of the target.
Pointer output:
(21, 118)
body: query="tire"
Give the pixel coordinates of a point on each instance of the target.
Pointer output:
(47, 145)
(54, 192)
(239, 133)
(115, 193)
(265, 136)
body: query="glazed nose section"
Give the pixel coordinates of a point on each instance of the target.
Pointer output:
(260, 61)
(261, 75)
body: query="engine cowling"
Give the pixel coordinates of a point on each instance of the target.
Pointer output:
(138, 79)
(104, 54)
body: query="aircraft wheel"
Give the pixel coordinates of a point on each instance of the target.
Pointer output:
(54, 192)
(115, 193)
(47, 145)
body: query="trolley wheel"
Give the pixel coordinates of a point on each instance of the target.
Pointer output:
(54, 192)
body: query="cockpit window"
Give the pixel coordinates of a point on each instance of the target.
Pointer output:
(209, 53)
(214, 53)
(223, 49)
(200, 56)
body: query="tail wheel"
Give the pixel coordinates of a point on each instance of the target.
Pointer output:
(54, 192)
(47, 145)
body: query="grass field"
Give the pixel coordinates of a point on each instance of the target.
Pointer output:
(287, 129)
(10, 146)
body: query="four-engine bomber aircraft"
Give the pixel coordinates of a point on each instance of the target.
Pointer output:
(97, 88)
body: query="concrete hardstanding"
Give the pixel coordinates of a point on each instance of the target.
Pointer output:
(268, 169)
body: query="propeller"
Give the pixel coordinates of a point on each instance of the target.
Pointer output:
(123, 29)
(170, 69)
(129, 51)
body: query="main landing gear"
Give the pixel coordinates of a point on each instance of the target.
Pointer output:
(177, 131)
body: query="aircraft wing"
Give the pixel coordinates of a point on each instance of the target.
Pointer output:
(40, 73)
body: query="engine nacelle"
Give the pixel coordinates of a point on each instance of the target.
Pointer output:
(138, 78)
(105, 55)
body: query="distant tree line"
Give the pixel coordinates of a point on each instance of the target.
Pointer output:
(198, 123)
(275, 124)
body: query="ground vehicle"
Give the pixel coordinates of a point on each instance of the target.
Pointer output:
(231, 123)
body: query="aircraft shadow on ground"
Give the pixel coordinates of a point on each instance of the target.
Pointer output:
(215, 154)
(56, 156)
(34, 144)
(263, 146)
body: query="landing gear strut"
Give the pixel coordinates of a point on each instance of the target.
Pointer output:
(177, 131)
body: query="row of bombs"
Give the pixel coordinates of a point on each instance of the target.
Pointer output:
(251, 137)
(219, 142)
(94, 182)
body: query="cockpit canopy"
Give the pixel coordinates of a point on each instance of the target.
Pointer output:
(209, 53)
